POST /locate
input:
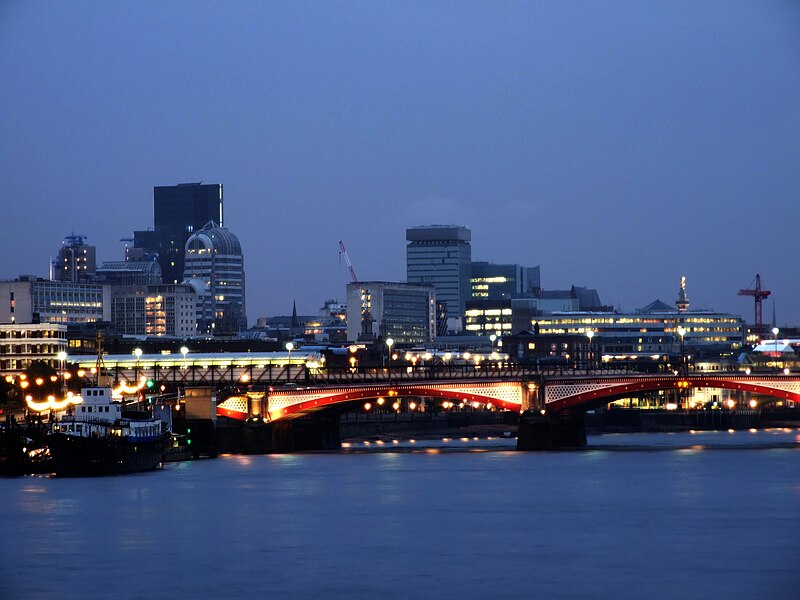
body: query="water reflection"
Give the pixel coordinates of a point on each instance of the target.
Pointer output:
(681, 515)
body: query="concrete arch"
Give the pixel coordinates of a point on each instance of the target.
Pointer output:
(602, 396)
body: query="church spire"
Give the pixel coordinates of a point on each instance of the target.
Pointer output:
(683, 301)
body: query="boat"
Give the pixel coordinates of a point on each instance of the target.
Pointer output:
(99, 437)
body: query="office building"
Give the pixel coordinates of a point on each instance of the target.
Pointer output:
(381, 310)
(652, 330)
(30, 299)
(75, 261)
(491, 281)
(214, 265)
(178, 211)
(155, 310)
(122, 272)
(441, 255)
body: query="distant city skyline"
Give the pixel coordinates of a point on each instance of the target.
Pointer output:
(619, 146)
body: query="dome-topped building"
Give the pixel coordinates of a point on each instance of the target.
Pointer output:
(214, 258)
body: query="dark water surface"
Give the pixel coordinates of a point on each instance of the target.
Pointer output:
(705, 515)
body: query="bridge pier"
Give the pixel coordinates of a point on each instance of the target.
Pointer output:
(314, 432)
(539, 431)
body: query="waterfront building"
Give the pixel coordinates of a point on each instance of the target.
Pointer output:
(155, 310)
(128, 272)
(75, 261)
(30, 298)
(178, 211)
(491, 281)
(380, 310)
(654, 329)
(214, 260)
(24, 343)
(502, 317)
(441, 255)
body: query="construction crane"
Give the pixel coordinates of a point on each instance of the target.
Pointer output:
(343, 252)
(758, 295)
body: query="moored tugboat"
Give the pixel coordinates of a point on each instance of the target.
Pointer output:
(99, 437)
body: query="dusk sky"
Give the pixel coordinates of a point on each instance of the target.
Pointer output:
(619, 145)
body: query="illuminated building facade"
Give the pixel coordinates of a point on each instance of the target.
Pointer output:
(22, 344)
(29, 298)
(214, 257)
(402, 311)
(178, 211)
(489, 281)
(649, 332)
(158, 310)
(441, 255)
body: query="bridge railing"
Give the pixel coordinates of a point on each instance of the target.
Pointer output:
(301, 374)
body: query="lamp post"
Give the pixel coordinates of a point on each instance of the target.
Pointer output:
(138, 354)
(493, 337)
(289, 348)
(62, 357)
(682, 367)
(590, 335)
(775, 332)
(389, 344)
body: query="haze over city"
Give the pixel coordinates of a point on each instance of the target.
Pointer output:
(618, 145)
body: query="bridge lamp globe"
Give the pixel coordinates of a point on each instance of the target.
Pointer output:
(786, 371)
(380, 401)
(747, 371)
(412, 405)
(138, 353)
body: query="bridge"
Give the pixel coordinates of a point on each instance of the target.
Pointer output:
(276, 390)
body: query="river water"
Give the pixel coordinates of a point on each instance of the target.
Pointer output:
(704, 515)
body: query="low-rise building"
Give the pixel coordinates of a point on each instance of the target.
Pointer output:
(31, 298)
(22, 344)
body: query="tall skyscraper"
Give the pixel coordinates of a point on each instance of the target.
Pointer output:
(178, 211)
(215, 268)
(442, 255)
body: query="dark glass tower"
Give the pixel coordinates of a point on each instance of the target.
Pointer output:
(178, 211)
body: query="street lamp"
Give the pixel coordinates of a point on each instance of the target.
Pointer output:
(138, 354)
(682, 332)
(493, 337)
(775, 331)
(289, 348)
(389, 344)
(62, 357)
(590, 335)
